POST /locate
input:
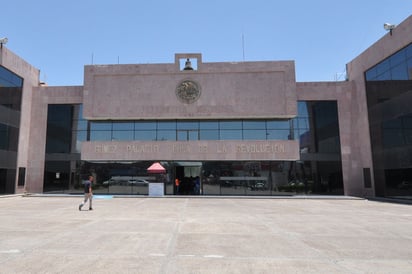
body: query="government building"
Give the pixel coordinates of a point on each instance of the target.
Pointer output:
(224, 128)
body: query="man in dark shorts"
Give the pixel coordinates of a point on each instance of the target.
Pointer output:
(88, 194)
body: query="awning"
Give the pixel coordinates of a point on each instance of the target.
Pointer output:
(156, 168)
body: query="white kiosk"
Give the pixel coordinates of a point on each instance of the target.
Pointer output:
(156, 189)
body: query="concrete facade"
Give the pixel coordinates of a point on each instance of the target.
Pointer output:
(224, 90)
(228, 90)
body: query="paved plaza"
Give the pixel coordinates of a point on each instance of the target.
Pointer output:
(204, 235)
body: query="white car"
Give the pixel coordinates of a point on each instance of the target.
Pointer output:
(109, 182)
(138, 182)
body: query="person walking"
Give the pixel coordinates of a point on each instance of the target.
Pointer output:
(177, 183)
(88, 194)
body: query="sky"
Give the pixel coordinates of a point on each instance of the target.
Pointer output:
(321, 36)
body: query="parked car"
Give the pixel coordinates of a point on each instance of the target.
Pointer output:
(258, 185)
(138, 182)
(108, 182)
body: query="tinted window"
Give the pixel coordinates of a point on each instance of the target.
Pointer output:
(59, 129)
(254, 125)
(230, 125)
(11, 87)
(166, 125)
(389, 121)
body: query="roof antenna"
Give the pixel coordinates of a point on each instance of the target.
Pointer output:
(243, 46)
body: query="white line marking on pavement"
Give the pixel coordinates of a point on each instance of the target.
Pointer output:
(213, 256)
(157, 254)
(11, 251)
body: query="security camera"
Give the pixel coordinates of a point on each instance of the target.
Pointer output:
(388, 26)
(4, 40)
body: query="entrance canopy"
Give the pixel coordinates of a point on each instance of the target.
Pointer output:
(156, 168)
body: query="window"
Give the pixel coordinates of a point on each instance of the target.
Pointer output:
(188, 130)
(388, 85)
(11, 86)
(395, 67)
(59, 129)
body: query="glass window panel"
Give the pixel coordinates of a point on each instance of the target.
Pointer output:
(409, 69)
(60, 114)
(382, 67)
(81, 136)
(123, 126)
(123, 135)
(166, 125)
(397, 58)
(384, 76)
(302, 109)
(9, 79)
(187, 125)
(303, 136)
(278, 124)
(145, 135)
(392, 137)
(395, 123)
(254, 125)
(399, 72)
(209, 135)
(182, 135)
(101, 135)
(295, 135)
(209, 125)
(230, 124)
(145, 125)
(13, 138)
(408, 50)
(4, 138)
(300, 123)
(193, 135)
(278, 134)
(230, 135)
(407, 121)
(80, 111)
(166, 135)
(100, 126)
(371, 74)
(59, 129)
(408, 136)
(81, 124)
(254, 134)
(329, 145)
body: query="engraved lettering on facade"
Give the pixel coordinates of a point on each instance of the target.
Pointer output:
(181, 148)
(105, 148)
(260, 148)
(221, 149)
(203, 148)
(142, 148)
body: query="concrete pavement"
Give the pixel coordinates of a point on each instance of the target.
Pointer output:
(204, 235)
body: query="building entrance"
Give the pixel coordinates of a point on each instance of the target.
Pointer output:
(240, 178)
(187, 178)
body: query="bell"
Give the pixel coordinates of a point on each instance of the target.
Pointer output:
(188, 65)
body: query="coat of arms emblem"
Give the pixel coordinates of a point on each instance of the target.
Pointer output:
(188, 91)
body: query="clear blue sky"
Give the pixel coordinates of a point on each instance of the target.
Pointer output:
(321, 36)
